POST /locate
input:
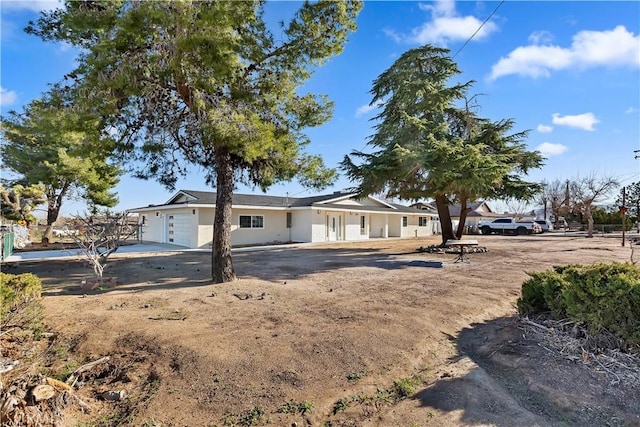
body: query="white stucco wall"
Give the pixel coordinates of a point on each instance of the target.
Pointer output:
(205, 227)
(307, 225)
(378, 225)
(352, 226)
(274, 231)
(301, 228)
(414, 229)
(318, 226)
(395, 226)
(151, 227)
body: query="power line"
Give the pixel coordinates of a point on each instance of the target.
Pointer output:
(479, 28)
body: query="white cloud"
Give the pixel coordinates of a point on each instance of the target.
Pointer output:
(549, 149)
(7, 97)
(366, 109)
(439, 7)
(392, 35)
(631, 110)
(538, 37)
(32, 5)
(446, 26)
(544, 128)
(584, 121)
(617, 47)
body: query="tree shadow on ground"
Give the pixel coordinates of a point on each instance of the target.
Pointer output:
(190, 269)
(503, 377)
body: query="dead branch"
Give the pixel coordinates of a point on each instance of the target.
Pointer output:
(537, 325)
(84, 368)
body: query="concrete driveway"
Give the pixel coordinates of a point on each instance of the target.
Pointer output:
(26, 255)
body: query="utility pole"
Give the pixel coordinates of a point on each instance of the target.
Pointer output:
(623, 210)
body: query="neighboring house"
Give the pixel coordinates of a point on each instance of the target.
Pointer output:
(186, 219)
(478, 211)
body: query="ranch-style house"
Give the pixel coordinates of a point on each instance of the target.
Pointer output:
(186, 219)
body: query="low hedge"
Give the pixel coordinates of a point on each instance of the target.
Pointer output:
(19, 295)
(603, 296)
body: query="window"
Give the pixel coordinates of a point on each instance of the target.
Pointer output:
(251, 221)
(288, 219)
(405, 221)
(363, 224)
(422, 221)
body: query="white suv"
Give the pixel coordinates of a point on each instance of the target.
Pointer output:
(544, 224)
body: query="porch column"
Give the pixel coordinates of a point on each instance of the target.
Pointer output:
(386, 226)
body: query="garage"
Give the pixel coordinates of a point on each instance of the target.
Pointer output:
(179, 229)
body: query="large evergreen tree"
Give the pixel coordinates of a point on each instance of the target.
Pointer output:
(425, 145)
(52, 144)
(206, 83)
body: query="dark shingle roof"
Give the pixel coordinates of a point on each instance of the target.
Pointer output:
(209, 197)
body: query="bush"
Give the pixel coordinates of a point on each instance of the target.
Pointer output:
(19, 295)
(601, 296)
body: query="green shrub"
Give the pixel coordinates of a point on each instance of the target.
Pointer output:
(19, 295)
(601, 296)
(405, 387)
(543, 293)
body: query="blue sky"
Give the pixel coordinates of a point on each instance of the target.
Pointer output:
(567, 71)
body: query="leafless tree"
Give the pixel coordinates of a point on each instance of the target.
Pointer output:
(555, 197)
(100, 236)
(586, 192)
(519, 208)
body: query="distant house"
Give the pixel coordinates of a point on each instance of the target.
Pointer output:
(477, 212)
(186, 219)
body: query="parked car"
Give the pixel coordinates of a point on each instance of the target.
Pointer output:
(509, 225)
(546, 225)
(64, 232)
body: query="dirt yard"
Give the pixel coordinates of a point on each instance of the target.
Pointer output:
(357, 334)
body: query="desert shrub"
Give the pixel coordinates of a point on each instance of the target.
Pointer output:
(543, 293)
(19, 300)
(603, 296)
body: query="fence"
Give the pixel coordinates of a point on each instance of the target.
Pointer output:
(7, 245)
(608, 228)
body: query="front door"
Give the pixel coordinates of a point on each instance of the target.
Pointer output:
(334, 227)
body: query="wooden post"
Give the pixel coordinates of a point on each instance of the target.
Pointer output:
(623, 209)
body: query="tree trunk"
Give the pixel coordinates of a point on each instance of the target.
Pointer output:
(589, 215)
(463, 217)
(221, 265)
(53, 210)
(445, 218)
(54, 203)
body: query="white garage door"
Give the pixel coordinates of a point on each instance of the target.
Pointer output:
(179, 229)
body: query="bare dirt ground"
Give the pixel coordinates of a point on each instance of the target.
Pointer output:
(356, 334)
